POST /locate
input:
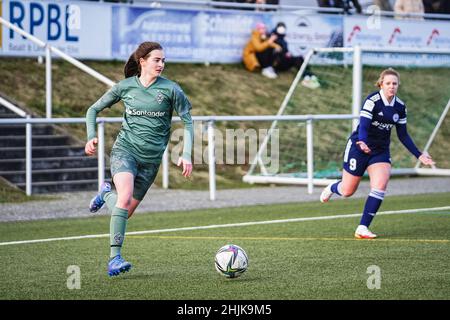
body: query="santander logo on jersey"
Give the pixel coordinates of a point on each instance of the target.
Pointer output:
(136, 112)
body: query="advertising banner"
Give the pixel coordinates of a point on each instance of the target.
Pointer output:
(213, 36)
(107, 31)
(79, 28)
(398, 33)
(306, 31)
(186, 35)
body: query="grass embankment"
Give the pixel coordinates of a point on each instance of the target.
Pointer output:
(231, 90)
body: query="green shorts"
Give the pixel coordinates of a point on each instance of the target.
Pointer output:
(144, 173)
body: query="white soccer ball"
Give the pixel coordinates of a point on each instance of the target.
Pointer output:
(231, 261)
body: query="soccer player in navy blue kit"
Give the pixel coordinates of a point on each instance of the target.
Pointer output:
(368, 149)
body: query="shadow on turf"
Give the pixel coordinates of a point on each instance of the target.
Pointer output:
(140, 276)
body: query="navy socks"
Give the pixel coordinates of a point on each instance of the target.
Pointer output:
(372, 205)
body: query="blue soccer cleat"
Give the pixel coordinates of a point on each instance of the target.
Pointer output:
(97, 202)
(117, 265)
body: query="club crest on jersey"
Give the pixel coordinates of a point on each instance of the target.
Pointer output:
(395, 117)
(159, 97)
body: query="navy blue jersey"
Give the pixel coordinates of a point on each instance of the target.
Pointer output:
(377, 118)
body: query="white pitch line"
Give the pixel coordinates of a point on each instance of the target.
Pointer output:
(214, 226)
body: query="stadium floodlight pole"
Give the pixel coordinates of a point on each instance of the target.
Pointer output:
(357, 84)
(48, 81)
(101, 153)
(165, 168)
(28, 157)
(211, 161)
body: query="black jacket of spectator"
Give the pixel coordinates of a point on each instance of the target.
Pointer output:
(284, 60)
(437, 6)
(343, 4)
(444, 7)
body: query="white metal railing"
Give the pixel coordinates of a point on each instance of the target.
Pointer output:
(206, 4)
(13, 108)
(209, 4)
(210, 120)
(48, 64)
(310, 181)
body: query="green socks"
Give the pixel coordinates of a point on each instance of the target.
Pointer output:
(110, 198)
(118, 225)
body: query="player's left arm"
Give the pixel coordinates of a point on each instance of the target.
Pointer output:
(406, 140)
(365, 119)
(182, 106)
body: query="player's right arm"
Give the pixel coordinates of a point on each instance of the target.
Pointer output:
(111, 97)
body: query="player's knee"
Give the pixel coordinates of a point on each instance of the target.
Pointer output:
(123, 202)
(379, 187)
(348, 192)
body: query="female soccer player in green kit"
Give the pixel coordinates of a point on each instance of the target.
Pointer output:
(149, 101)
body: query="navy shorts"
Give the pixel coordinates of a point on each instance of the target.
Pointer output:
(356, 161)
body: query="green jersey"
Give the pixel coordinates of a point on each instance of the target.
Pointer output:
(147, 119)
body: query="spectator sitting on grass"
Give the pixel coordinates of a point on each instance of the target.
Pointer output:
(259, 51)
(285, 60)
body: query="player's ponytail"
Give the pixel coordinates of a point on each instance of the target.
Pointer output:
(133, 66)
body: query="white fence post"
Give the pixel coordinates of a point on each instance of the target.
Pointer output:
(48, 82)
(357, 84)
(310, 155)
(101, 153)
(165, 168)
(211, 161)
(28, 157)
